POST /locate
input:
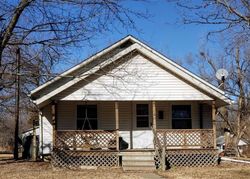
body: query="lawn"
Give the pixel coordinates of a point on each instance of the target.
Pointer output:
(24, 169)
(223, 171)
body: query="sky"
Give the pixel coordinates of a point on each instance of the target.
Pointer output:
(162, 30)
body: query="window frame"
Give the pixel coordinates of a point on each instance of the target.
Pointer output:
(143, 115)
(90, 119)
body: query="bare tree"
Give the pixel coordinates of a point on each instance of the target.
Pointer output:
(44, 30)
(230, 19)
(236, 60)
(228, 15)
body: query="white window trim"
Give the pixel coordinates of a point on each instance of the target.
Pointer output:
(135, 116)
(88, 103)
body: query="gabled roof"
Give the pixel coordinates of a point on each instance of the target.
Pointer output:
(125, 46)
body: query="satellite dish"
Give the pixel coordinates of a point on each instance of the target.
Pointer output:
(221, 74)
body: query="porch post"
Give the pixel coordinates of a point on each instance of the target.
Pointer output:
(41, 134)
(214, 122)
(53, 114)
(154, 114)
(117, 124)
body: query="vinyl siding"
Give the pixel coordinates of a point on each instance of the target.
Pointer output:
(207, 116)
(46, 130)
(164, 123)
(137, 78)
(106, 116)
(66, 114)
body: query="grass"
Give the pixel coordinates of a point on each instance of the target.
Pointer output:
(225, 170)
(43, 170)
(23, 169)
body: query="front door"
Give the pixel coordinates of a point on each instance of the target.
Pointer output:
(142, 135)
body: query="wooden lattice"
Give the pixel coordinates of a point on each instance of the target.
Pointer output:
(69, 158)
(85, 140)
(192, 157)
(202, 138)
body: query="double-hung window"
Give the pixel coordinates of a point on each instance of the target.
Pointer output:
(142, 115)
(181, 117)
(86, 117)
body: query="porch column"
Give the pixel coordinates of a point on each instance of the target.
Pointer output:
(117, 124)
(53, 114)
(214, 122)
(154, 114)
(41, 133)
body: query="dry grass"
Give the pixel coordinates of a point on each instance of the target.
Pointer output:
(28, 170)
(225, 170)
(23, 169)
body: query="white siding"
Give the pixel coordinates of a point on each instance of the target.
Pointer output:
(47, 131)
(143, 139)
(135, 79)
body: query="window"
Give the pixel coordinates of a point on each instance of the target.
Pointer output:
(142, 115)
(181, 117)
(86, 117)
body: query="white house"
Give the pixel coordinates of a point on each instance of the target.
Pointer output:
(127, 90)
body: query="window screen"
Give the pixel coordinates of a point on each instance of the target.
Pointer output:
(181, 117)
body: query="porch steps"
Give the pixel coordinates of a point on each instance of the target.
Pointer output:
(138, 160)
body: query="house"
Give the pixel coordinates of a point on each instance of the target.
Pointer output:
(27, 139)
(220, 141)
(29, 132)
(128, 94)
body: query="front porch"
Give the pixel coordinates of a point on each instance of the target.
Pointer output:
(186, 147)
(118, 121)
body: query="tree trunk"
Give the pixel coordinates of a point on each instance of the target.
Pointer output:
(5, 37)
(239, 129)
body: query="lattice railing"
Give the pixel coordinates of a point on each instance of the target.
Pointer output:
(73, 158)
(192, 157)
(184, 138)
(85, 140)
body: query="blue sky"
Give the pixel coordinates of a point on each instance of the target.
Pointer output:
(159, 30)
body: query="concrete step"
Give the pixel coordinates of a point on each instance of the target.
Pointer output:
(138, 163)
(134, 158)
(147, 168)
(138, 160)
(137, 153)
